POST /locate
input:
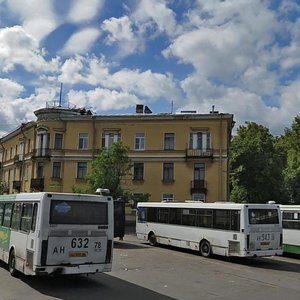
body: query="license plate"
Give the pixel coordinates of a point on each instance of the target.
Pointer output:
(265, 244)
(77, 254)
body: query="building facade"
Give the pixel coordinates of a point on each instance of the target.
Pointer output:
(182, 156)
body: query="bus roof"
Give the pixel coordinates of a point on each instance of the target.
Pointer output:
(39, 195)
(223, 205)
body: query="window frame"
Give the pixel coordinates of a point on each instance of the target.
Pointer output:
(139, 141)
(83, 141)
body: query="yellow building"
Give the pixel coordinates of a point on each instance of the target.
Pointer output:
(182, 156)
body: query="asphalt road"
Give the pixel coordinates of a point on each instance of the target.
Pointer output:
(144, 272)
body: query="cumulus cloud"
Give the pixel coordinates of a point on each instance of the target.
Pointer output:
(81, 41)
(82, 10)
(37, 17)
(146, 84)
(19, 48)
(120, 32)
(102, 99)
(80, 69)
(155, 13)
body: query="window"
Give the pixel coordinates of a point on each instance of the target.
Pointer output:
(168, 197)
(204, 218)
(169, 141)
(83, 141)
(263, 216)
(81, 170)
(138, 171)
(40, 170)
(26, 216)
(7, 214)
(168, 172)
(163, 215)
(1, 212)
(70, 212)
(200, 140)
(34, 217)
(56, 169)
(58, 143)
(199, 197)
(108, 138)
(139, 141)
(15, 220)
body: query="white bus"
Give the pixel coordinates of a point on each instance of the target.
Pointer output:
(228, 229)
(291, 228)
(56, 233)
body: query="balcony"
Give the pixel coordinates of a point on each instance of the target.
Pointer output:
(37, 184)
(199, 153)
(17, 185)
(18, 158)
(41, 153)
(198, 186)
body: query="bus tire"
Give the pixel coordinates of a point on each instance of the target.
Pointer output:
(205, 248)
(152, 239)
(12, 264)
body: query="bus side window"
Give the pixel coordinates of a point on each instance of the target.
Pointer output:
(26, 217)
(34, 216)
(235, 220)
(1, 212)
(16, 214)
(7, 214)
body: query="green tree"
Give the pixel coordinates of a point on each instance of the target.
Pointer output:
(256, 175)
(291, 172)
(109, 168)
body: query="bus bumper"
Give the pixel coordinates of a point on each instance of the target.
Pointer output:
(262, 253)
(78, 269)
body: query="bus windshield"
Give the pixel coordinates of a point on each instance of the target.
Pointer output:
(263, 216)
(78, 212)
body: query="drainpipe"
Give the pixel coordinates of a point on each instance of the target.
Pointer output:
(220, 161)
(2, 161)
(94, 137)
(23, 158)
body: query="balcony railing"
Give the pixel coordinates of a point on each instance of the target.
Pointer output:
(37, 184)
(198, 186)
(18, 158)
(41, 153)
(196, 153)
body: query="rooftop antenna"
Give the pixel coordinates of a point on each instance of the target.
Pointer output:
(60, 93)
(172, 105)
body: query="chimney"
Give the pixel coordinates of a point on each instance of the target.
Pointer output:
(139, 109)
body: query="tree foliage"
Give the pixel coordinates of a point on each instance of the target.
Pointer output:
(290, 144)
(109, 168)
(256, 176)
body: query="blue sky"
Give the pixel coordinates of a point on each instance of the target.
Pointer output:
(243, 56)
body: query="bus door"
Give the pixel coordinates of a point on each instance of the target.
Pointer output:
(78, 233)
(263, 234)
(28, 224)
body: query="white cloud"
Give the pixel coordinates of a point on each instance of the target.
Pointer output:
(146, 84)
(9, 89)
(19, 48)
(37, 17)
(102, 99)
(222, 40)
(18, 110)
(89, 70)
(120, 31)
(157, 12)
(82, 10)
(81, 41)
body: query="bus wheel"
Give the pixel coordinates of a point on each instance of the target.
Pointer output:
(152, 239)
(12, 264)
(205, 248)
